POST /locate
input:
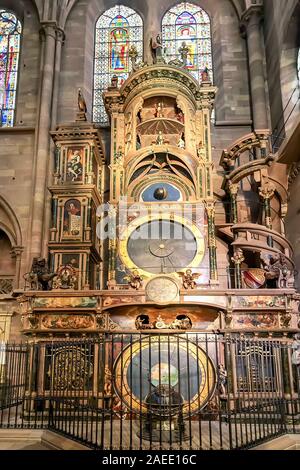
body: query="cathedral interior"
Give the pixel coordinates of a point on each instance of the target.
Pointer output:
(149, 237)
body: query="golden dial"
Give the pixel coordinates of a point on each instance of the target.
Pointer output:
(161, 246)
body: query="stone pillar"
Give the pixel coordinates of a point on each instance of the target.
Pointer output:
(112, 247)
(266, 193)
(43, 138)
(17, 254)
(52, 162)
(212, 246)
(251, 21)
(233, 191)
(237, 259)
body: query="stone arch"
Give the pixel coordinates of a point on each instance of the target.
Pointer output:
(9, 223)
(10, 248)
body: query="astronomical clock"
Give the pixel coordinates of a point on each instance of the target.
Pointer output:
(161, 182)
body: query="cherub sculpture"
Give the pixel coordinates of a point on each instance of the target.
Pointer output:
(135, 280)
(188, 279)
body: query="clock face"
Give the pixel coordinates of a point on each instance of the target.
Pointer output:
(161, 289)
(162, 246)
(169, 361)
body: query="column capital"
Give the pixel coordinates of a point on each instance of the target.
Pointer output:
(233, 188)
(48, 28)
(210, 208)
(267, 191)
(17, 251)
(60, 35)
(252, 16)
(238, 257)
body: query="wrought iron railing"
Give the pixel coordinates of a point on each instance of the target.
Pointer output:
(153, 390)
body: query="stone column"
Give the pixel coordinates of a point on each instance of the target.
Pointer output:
(237, 259)
(212, 246)
(233, 191)
(17, 254)
(42, 138)
(251, 21)
(112, 247)
(266, 193)
(52, 162)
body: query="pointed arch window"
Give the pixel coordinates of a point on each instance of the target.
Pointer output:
(116, 30)
(10, 39)
(189, 23)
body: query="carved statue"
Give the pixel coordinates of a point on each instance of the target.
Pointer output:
(134, 280)
(182, 322)
(107, 389)
(276, 269)
(201, 152)
(205, 75)
(133, 54)
(296, 349)
(222, 379)
(158, 110)
(160, 138)
(181, 142)
(142, 322)
(188, 279)
(157, 50)
(81, 102)
(39, 277)
(114, 81)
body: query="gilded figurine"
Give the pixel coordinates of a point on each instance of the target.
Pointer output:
(135, 280)
(158, 110)
(160, 138)
(188, 279)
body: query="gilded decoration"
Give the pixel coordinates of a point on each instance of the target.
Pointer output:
(64, 302)
(67, 322)
(251, 320)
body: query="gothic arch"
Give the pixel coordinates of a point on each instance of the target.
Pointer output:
(9, 223)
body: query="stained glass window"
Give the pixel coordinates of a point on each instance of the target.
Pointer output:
(188, 23)
(116, 30)
(10, 38)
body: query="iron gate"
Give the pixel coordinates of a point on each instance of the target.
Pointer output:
(190, 390)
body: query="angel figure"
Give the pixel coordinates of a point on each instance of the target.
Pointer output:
(135, 280)
(188, 279)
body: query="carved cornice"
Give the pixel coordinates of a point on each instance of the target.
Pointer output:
(158, 76)
(83, 132)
